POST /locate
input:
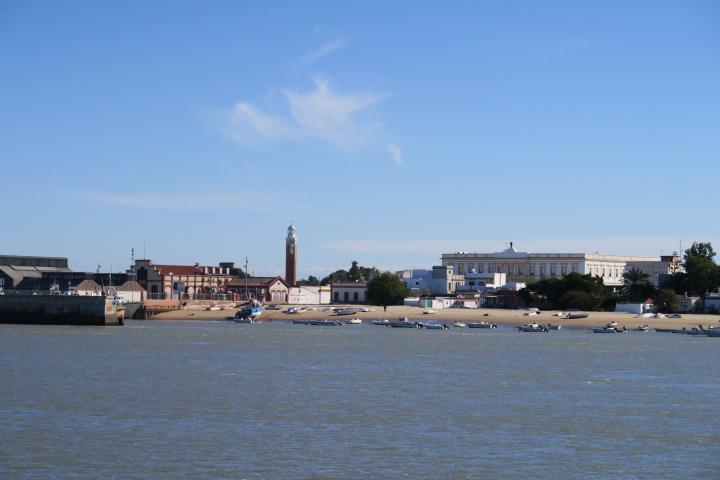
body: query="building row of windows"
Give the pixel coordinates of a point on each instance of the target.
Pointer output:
(517, 268)
(534, 269)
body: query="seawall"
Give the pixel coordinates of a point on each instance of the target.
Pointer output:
(57, 310)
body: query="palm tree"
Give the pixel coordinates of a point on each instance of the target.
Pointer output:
(634, 280)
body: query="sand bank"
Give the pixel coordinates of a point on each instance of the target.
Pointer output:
(449, 315)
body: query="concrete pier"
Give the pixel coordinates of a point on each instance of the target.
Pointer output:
(58, 310)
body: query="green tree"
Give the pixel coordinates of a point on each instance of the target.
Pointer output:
(666, 300)
(354, 273)
(574, 290)
(576, 300)
(702, 273)
(701, 249)
(311, 281)
(637, 286)
(386, 289)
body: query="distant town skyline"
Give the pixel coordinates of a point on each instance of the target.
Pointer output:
(389, 133)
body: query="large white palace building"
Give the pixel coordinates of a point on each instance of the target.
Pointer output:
(528, 267)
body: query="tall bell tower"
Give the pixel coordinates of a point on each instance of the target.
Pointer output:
(290, 256)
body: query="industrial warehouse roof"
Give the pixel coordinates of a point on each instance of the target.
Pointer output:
(131, 286)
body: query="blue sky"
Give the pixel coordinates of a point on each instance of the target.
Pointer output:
(390, 133)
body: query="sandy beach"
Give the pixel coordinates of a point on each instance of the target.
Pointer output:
(450, 315)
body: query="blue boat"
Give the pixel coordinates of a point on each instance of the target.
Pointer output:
(249, 313)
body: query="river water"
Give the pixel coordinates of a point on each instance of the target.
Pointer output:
(277, 400)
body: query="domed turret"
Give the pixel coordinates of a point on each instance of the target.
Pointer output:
(291, 231)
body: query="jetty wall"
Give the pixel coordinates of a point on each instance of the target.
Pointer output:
(57, 310)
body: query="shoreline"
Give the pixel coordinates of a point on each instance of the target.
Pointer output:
(452, 315)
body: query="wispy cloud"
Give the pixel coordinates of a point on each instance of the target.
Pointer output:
(322, 52)
(245, 124)
(330, 116)
(396, 154)
(320, 113)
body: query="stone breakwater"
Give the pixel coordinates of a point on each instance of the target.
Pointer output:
(58, 310)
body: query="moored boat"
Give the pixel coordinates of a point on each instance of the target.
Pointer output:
(325, 323)
(607, 329)
(384, 322)
(354, 321)
(404, 323)
(459, 324)
(301, 322)
(481, 325)
(532, 327)
(345, 311)
(249, 313)
(433, 326)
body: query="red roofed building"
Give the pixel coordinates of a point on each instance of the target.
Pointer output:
(182, 281)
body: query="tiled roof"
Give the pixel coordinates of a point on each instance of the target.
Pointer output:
(178, 269)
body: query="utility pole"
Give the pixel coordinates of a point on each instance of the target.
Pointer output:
(247, 299)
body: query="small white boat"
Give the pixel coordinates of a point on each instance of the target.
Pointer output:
(345, 311)
(612, 324)
(607, 329)
(383, 322)
(642, 328)
(531, 313)
(429, 311)
(354, 321)
(459, 324)
(433, 326)
(215, 308)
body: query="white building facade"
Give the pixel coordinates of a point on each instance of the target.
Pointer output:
(440, 280)
(348, 292)
(308, 295)
(529, 267)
